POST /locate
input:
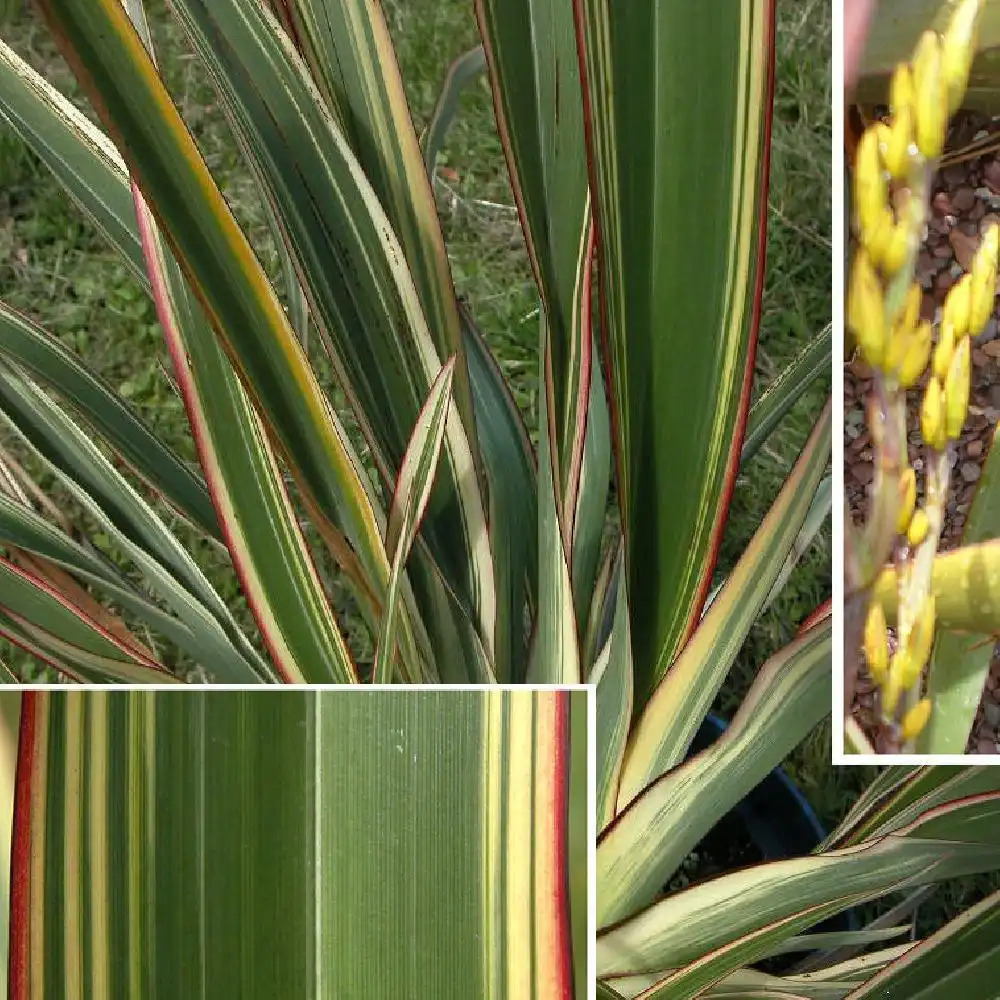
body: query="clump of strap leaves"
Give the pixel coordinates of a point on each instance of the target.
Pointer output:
(894, 166)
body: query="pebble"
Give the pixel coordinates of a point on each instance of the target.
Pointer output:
(954, 174)
(940, 225)
(963, 199)
(940, 204)
(863, 473)
(965, 246)
(991, 174)
(989, 335)
(970, 471)
(944, 280)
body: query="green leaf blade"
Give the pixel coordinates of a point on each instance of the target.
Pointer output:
(204, 845)
(664, 823)
(409, 502)
(960, 662)
(681, 255)
(671, 718)
(114, 67)
(359, 287)
(960, 958)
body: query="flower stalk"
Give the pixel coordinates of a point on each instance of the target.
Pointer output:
(895, 164)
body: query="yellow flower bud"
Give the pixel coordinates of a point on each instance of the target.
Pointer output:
(882, 131)
(897, 249)
(918, 643)
(957, 49)
(907, 499)
(909, 314)
(956, 389)
(870, 186)
(877, 237)
(898, 143)
(919, 526)
(893, 687)
(901, 89)
(989, 248)
(932, 415)
(876, 643)
(866, 310)
(944, 351)
(930, 96)
(915, 720)
(956, 308)
(916, 354)
(983, 282)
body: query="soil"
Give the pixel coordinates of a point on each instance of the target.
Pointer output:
(966, 198)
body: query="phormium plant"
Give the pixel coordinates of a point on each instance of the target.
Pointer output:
(470, 557)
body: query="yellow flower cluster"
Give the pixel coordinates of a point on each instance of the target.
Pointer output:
(966, 311)
(903, 671)
(895, 160)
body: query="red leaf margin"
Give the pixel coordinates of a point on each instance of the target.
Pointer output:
(20, 854)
